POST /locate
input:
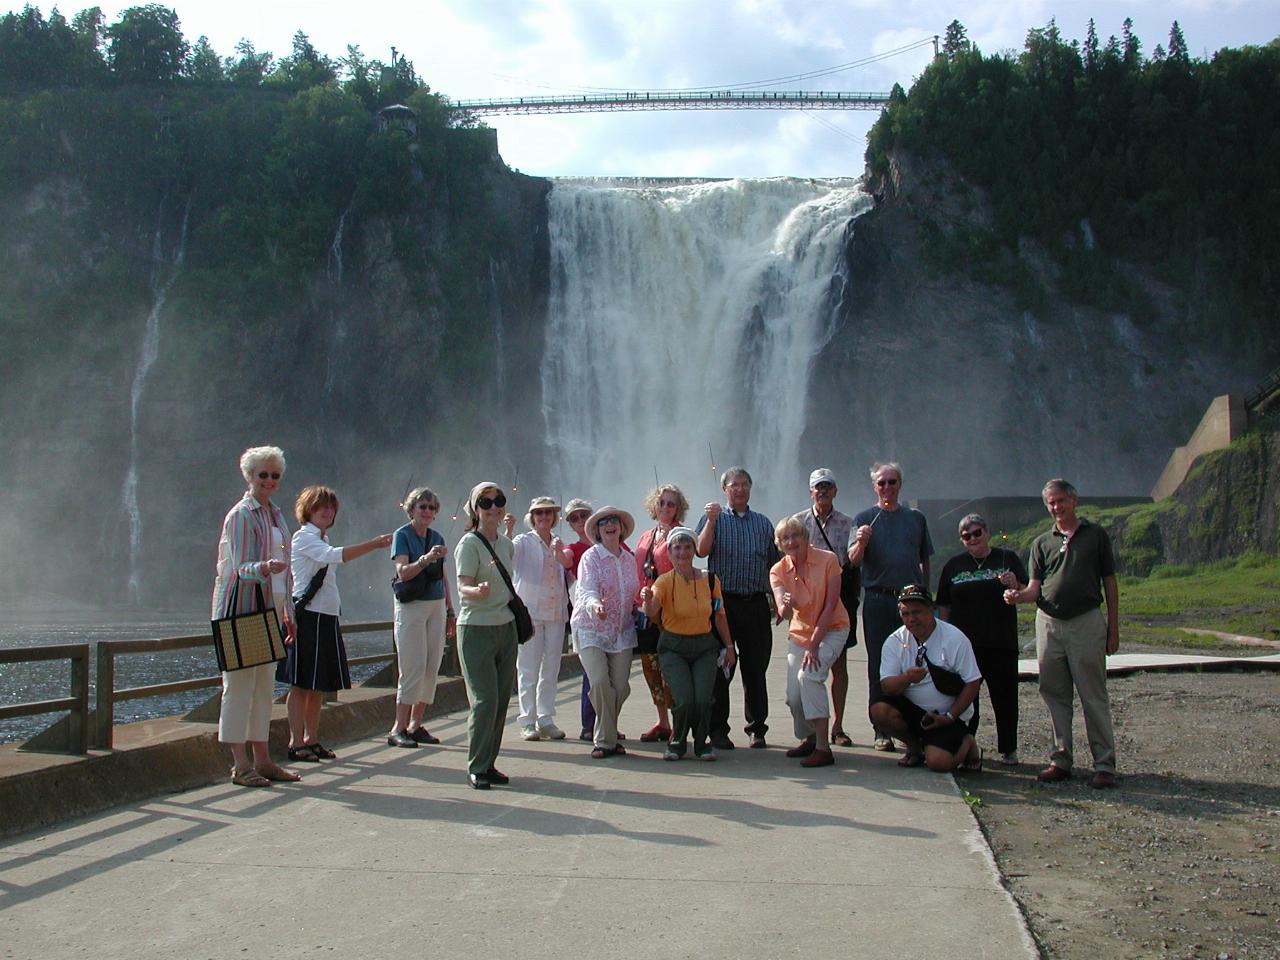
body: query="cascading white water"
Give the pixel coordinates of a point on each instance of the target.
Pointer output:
(684, 317)
(162, 276)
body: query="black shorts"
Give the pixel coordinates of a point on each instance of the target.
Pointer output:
(945, 736)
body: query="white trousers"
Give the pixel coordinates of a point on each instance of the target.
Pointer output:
(610, 676)
(246, 703)
(807, 689)
(538, 673)
(419, 632)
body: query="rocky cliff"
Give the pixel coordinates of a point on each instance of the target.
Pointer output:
(977, 394)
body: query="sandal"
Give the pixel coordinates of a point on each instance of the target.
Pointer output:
(911, 760)
(321, 751)
(619, 751)
(248, 778)
(841, 739)
(279, 774)
(599, 753)
(305, 753)
(972, 765)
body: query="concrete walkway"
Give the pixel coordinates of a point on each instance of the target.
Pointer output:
(387, 852)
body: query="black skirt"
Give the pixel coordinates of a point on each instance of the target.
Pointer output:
(317, 660)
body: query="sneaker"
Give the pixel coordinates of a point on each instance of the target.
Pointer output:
(1010, 759)
(586, 736)
(721, 741)
(670, 754)
(550, 732)
(709, 754)
(884, 745)
(530, 732)
(757, 741)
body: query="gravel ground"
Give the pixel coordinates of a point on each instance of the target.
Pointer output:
(1183, 859)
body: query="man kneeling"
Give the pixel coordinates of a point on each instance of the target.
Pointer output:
(929, 678)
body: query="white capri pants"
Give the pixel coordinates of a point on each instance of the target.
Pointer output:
(419, 633)
(807, 689)
(246, 701)
(538, 673)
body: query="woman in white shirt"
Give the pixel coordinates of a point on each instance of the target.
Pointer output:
(317, 659)
(542, 563)
(604, 632)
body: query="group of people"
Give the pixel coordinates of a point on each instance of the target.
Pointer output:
(693, 629)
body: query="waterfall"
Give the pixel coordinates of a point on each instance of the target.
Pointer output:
(683, 323)
(338, 313)
(162, 276)
(334, 265)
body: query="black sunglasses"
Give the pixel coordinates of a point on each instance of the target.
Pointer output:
(887, 482)
(484, 503)
(972, 534)
(262, 475)
(608, 518)
(922, 656)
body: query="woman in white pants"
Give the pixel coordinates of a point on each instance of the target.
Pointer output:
(421, 623)
(806, 590)
(541, 570)
(253, 573)
(604, 631)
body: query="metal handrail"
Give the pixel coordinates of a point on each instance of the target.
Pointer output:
(108, 696)
(77, 703)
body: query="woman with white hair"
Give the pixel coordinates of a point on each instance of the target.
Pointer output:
(688, 605)
(253, 574)
(541, 572)
(486, 630)
(604, 631)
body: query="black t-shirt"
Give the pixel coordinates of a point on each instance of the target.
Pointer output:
(972, 589)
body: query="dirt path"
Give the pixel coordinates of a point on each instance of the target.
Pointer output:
(1183, 860)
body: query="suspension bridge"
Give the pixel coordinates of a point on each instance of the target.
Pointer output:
(679, 100)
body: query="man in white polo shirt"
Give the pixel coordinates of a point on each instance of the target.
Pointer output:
(930, 678)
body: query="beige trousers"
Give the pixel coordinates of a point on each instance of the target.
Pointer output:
(1073, 654)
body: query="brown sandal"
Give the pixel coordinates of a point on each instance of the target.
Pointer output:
(279, 774)
(248, 778)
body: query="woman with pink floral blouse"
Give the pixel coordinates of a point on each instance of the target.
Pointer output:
(603, 622)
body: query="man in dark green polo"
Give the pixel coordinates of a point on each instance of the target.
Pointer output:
(1072, 568)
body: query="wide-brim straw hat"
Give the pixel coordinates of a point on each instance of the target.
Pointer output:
(539, 503)
(628, 522)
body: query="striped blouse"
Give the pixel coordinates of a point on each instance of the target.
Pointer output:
(246, 543)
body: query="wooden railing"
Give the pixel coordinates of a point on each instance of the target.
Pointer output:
(77, 725)
(108, 696)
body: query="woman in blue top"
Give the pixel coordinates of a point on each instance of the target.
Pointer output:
(420, 625)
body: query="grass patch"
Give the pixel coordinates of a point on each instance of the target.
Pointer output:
(1234, 596)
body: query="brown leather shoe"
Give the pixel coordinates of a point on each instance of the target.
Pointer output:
(1103, 780)
(819, 758)
(802, 749)
(1053, 774)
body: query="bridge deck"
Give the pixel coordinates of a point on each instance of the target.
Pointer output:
(681, 100)
(385, 850)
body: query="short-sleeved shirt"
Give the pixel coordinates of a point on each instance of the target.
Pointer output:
(407, 543)
(1071, 569)
(742, 551)
(471, 559)
(973, 591)
(807, 584)
(838, 530)
(899, 544)
(947, 647)
(687, 605)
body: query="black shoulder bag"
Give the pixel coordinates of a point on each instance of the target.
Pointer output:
(407, 591)
(948, 682)
(524, 622)
(300, 603)
(646, 630)
(850, 584)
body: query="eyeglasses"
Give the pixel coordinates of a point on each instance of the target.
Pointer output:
(824, 485)
(263, 475)
(485, 503)
(968, 535)
(578, 517)
(887, 482)
(610, 519)
(434, 507)
(922, 656)
(542, 511)
(668, 503)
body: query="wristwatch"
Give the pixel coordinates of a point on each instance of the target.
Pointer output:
(948, 714)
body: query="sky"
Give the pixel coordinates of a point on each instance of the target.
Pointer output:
(469, 49)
